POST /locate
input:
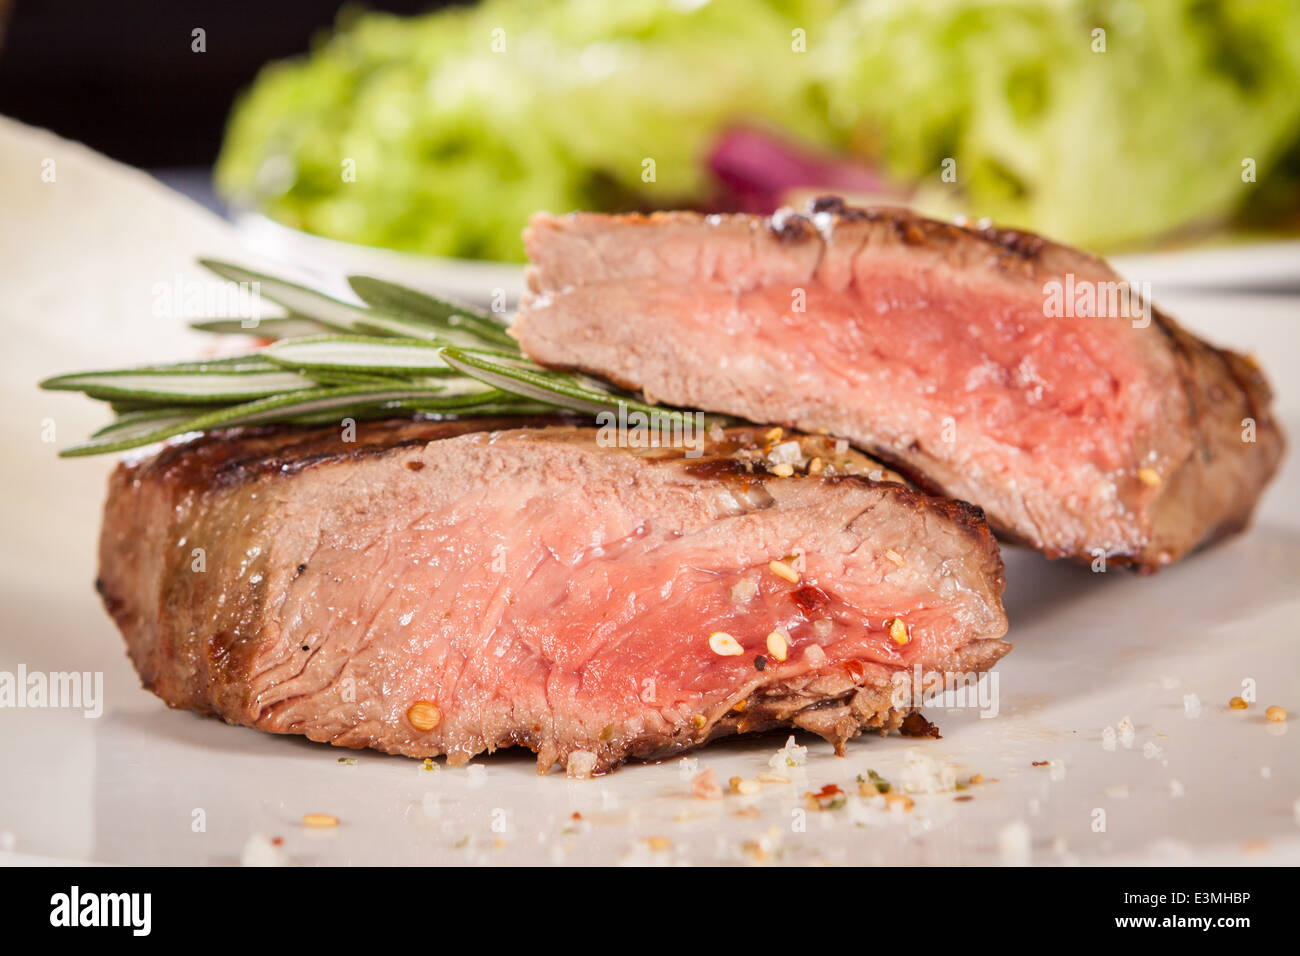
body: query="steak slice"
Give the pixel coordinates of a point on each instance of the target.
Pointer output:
(928, 345)
(454, 587)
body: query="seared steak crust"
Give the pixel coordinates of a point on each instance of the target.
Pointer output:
(928, 345)
(535, 588)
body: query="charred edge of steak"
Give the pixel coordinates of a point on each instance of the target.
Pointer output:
(1213, 380)
(229, 457)
(915, 230)
(1015, 250)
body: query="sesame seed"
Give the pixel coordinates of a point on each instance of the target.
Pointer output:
(894, 556)
(424, 715)
(319, 821)
(774, 435)
(783, 470)
(898, 631)
(1237, 704)
(724, 645)
(1276, 714)
(783, 570)
(1149, 476)
(815, 466)
(778, 645)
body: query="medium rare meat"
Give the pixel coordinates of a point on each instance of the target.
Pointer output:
(450, 588)
(940, 349)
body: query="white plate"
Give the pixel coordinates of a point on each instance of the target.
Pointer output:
(478, 282)
(142, 784)
(1245, 266)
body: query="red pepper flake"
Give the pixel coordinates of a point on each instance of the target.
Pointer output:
(856, 670)
(810, 598)
(277, 841)
(577, 815)
(829, 797)
(1041, 763)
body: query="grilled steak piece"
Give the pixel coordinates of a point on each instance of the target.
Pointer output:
(449, 588)
(930, 346)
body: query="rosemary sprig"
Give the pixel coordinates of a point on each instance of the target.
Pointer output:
(399, 353)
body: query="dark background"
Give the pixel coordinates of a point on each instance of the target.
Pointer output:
(119, 75)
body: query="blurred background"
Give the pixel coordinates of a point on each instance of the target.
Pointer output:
(435, 129)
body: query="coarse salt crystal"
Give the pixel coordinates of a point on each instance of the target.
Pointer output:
(1191, 706)
(580, 765)
(791, 755)
(1127, 732)
(1108, 738)
(924, 774)
(786, 453)
(1176, 789)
